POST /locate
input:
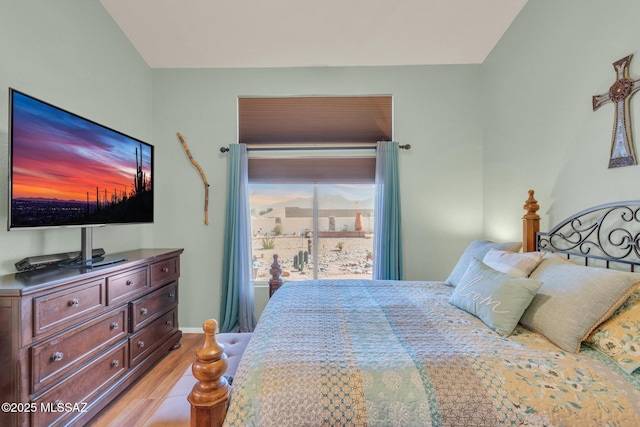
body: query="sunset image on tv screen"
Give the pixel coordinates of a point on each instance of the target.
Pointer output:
(67, 170)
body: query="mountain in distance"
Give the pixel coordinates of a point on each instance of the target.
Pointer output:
(46, 199)
(325, 201)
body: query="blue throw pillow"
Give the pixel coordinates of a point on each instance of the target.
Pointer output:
(477, 249)
(496, 298)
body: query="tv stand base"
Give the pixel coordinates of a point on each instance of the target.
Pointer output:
(92, 263)
(39, 261)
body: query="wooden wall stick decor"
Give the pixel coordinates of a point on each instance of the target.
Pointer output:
(204, 179)
(622, 151)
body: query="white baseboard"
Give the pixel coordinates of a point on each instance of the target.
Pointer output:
(192, 330)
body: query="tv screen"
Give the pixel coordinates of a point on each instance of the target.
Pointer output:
(66, 170)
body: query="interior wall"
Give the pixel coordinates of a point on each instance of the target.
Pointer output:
(539, 129)
(72, 55)
(436, 110)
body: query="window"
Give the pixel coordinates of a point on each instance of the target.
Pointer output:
(311, 182)
(318, 230)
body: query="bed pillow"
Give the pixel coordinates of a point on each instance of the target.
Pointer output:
(477, 249)
(513, 263)
(497, 298)
(619, 336)
(574, 299)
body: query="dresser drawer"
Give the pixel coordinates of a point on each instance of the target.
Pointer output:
(64, 307)
(122, 286)
(83, 386)
(55, 358)
(149, 307)
(148, 339)
(163, 272)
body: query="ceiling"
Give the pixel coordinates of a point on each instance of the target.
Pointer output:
(304, 33)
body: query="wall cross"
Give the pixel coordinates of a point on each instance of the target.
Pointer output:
(622, 151)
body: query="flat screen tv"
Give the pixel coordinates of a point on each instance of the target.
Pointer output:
(69, 171)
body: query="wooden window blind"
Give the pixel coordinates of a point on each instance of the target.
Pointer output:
(308, 170)
(314, 122)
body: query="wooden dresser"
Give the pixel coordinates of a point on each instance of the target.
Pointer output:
(72, 339)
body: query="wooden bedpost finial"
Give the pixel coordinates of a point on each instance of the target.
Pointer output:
(210, 394)
(531, 206)
(530, 223)
(276, 281)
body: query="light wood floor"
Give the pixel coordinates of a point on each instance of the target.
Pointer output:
(140, 400)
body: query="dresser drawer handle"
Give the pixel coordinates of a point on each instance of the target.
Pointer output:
(115, 363)
(143, 311)
(171, 295)
(129, 282)
(74, 302)
(115, 325)
(57, 356)
(140, 344)
(168, 322)
(165, 269)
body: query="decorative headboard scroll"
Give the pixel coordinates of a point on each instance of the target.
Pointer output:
(609, 232)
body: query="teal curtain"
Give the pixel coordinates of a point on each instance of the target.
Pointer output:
(387, 238)
(236, 309)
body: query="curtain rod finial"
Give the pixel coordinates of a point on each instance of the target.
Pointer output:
(224, 149)
(406, 146)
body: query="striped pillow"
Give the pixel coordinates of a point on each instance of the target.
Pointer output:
(573, 300)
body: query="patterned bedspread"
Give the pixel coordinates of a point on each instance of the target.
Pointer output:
(386, 353)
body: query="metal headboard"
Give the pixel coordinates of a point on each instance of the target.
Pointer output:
(609, 233)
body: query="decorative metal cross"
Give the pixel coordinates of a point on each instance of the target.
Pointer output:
(622, 151)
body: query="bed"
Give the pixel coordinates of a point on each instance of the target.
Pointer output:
(546, 336)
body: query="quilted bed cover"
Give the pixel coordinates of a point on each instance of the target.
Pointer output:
(388, 353)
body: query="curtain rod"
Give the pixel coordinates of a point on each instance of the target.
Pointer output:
(344, 147)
